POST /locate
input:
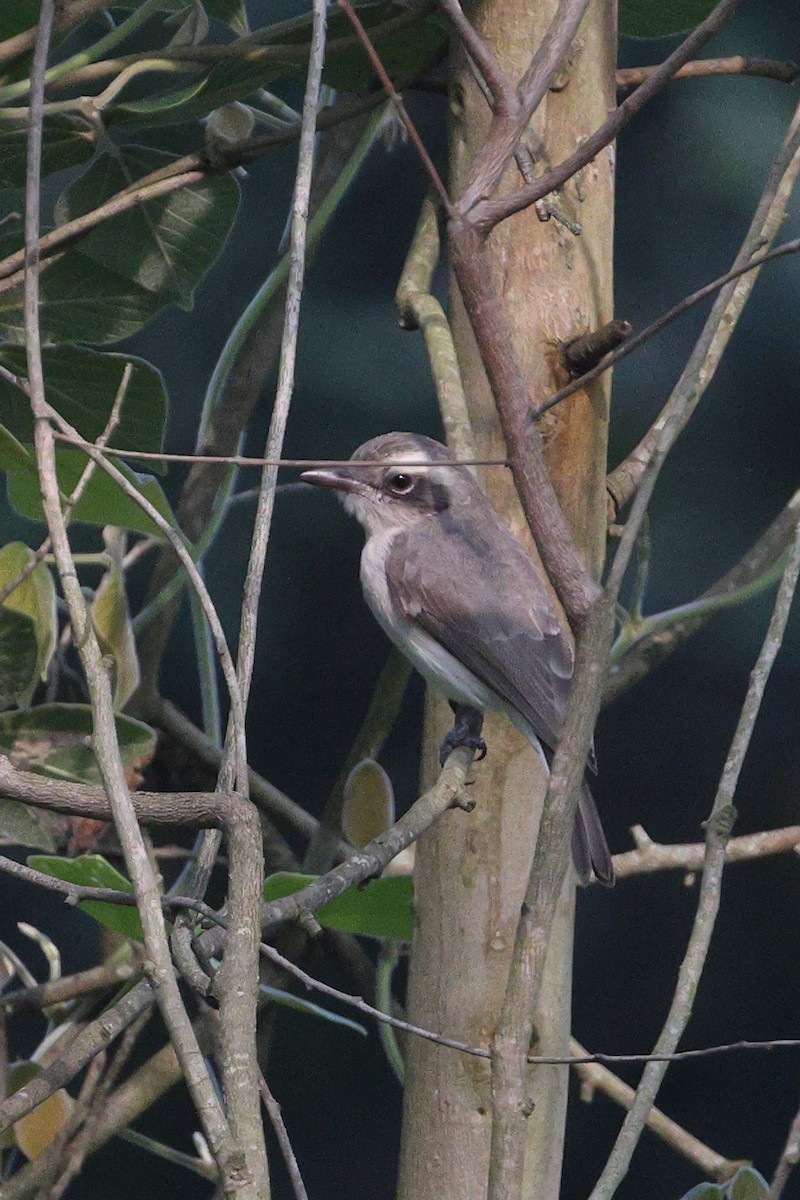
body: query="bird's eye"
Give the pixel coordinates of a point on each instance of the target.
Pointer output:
(400, 483)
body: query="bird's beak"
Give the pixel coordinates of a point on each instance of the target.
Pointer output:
(332, 478)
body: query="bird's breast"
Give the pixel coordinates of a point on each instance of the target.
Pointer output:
(434, 662)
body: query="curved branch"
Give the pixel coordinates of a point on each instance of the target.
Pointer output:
(485, 214)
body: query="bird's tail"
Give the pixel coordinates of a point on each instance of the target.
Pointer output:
(589, 846)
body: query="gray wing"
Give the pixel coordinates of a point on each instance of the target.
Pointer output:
(470, 585)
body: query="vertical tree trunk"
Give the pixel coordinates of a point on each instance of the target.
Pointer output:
(472, 868)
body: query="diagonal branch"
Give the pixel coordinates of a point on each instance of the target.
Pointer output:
(722, 320)
(718, 829)
(505, 134)
(484, 214)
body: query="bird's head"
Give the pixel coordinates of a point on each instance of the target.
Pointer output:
(395, 479)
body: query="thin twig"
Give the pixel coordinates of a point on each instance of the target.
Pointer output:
(718, 829)
(485, 214)
(790, 1156)
(394, 96)
(595, 1077)
(492, 161)
(241, 460)
(97, 1036)
(68, 987)
(282, 1135)
(766, 68)
(722, 320)
(677, 310)
(49, 243)
(503, 96)
(177, 544)
(658, 641)
(650, 856)
(236, 984)
(80, 487)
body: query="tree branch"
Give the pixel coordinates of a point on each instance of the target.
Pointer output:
(722, 320)
(718, 828)
(766, 68)
(594, 1076)
(652, 856)
(506, 132)
(484, 214)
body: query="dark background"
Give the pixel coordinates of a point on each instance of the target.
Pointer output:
(690, 170)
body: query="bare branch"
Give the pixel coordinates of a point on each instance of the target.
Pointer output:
(68, 987)
(10, 267)
(661, 637)
(484, 214)
(718, 829)
(95, 1038)
(677, 310)
(790, 1156)
(722, 320)
(505, 135)
(363, 864)
(766, 68)
(594, 1077)
(394, 96)
(503, 97)
(652, 856)
(282, 1134)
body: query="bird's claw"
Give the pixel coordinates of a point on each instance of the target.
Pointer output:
(465, 732)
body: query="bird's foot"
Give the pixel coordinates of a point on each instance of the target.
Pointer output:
(466, 731)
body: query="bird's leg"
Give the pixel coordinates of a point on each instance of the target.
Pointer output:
(466, 731)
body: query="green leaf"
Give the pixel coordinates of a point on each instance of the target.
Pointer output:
(35, 597)
(165, 245)
(26, 826)
(109, 283)
(92, 870)
(232, 12)
(367, 802)
(34, 1132)
(102, 503)
(55, 740)
(306, 1006)
(382, 908)
(706, 1191)
(747, 1184)
(66, 142)
(112, 623)
(13, 455)
(404, 51)
(81, 384)
(660, 18)
(18, 655)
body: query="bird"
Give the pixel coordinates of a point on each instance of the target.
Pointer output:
(461, 598)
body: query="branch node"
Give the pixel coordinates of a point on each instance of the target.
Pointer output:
(722, 821)
(584, 352)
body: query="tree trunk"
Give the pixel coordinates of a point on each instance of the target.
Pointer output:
(472, 868)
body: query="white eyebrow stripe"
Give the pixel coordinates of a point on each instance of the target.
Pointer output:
(410, 456)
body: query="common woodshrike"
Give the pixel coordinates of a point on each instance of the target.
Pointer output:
(459, 596)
